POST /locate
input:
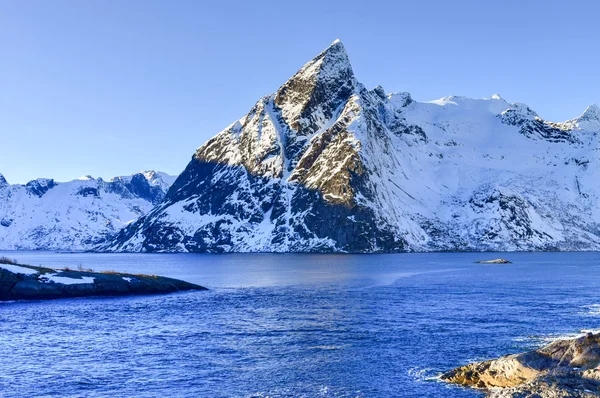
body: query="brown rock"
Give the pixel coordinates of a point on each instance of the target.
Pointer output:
(564, 368)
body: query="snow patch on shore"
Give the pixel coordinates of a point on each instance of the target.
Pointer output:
(70, 281)
(15, 269)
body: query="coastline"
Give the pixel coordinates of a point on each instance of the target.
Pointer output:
(26, 282)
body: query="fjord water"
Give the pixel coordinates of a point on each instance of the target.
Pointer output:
(293, 325)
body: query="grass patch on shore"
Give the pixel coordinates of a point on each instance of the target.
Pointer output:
(80, 269)
(111, 272)
(6, 260)
(106, 272)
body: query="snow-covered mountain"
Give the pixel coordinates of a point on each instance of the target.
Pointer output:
(74, 215)
(324, 164)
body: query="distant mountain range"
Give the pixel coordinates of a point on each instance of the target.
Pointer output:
(74, 215)
(326, 165)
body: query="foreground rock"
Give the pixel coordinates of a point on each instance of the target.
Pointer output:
(495, 261)
(23, 282)
(565, 368)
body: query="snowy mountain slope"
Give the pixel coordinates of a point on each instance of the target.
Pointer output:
(324, 164)
(74, 215)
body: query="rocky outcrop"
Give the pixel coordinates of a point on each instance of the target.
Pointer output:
(494, 261)
(564, 368)
(23, 282)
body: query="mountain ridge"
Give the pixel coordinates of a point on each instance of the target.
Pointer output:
(326, 165)
(77, 214)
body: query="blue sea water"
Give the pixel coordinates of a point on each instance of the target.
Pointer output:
(292, 325)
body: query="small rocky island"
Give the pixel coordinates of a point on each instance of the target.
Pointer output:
(494, 261)
(564, 368)
(26, 282)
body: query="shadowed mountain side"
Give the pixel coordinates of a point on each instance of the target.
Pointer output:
(261, 213)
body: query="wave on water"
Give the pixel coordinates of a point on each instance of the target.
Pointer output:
(326, 347)
(593, 310)
(424, 374)
(317, 391)
(542, 340)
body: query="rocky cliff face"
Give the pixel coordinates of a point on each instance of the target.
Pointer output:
(75, 215)
(326, 165)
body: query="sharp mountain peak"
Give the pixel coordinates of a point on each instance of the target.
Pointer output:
(592, 111)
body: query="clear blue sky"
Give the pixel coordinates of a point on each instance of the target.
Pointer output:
(111, 87)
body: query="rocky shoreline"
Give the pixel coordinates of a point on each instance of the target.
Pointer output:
(25, 282)
(564, 368)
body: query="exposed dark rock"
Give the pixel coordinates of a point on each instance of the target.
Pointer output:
(136, 186)
(88, 191)
(40, 186)
(512, 215)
